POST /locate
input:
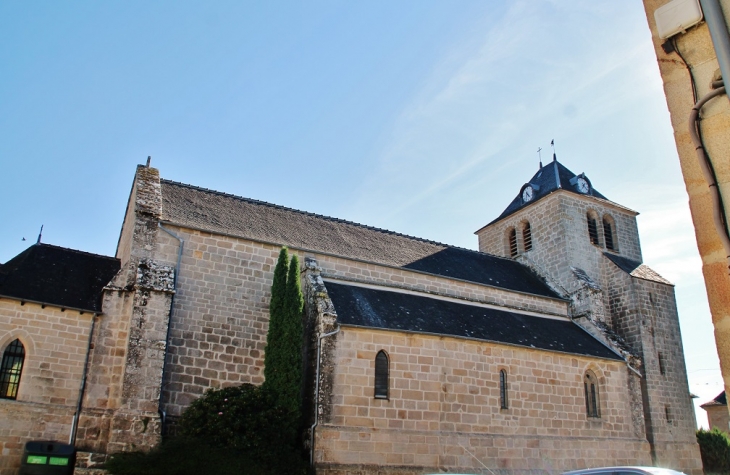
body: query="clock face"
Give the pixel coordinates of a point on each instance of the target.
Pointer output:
(583, 186)
(527, 194)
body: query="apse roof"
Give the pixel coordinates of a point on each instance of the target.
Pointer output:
(216, 212)
(379, 308)
(720, 400)
(549, 178)
(58, 276)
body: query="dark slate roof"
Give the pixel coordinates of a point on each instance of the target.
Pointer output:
(720, 400)
(377, 308)
(217, 212)
(636, 268)
(549, 178)
(58, 276)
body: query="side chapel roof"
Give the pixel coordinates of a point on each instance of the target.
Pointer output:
(720, 400)
(217, 212)
(58, 276)
(636, 268)
(548, 179)
(378, 308)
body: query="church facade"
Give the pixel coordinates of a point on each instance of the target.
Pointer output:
(551, 348)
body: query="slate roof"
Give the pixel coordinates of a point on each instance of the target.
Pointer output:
(377, 308)
(636, 268)
(720, 400)
(58, 276)
(198, 208)
(549, 178)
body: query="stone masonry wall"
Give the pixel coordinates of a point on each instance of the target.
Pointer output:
(444, 411)
(220, 314)
(644, 313)
(55, 344)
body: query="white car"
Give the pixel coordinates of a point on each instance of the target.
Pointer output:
(624, 471)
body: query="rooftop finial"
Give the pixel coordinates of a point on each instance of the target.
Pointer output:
(149, 159)
(555, 157)
(539, 149)
(39, 235)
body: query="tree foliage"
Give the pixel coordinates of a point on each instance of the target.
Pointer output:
(715, 451)
(283, 358)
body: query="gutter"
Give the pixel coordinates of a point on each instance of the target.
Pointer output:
(316, 393)
(160, 411)
(75, 422)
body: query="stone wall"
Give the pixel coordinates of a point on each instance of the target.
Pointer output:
(444, 409)
(55, 343)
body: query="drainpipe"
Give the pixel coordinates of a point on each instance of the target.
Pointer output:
(316, 393)
(75, 423)
(160, 411)
(718, 32)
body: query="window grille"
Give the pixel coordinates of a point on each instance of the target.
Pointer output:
(527, 237)
(513, 242)
(503, 389)
(381, 375)
(590, 384)
(11, 369)
(608, 234)
(593, 230)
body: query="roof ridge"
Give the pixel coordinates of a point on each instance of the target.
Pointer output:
(328, 218)
(77, 251)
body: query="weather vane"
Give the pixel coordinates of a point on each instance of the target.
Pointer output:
(539, 156)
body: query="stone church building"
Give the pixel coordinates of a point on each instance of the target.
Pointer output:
(551, 348)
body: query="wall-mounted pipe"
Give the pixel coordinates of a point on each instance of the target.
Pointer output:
(715, 20)
(160, 411)
(75, 422)
(316, 393)
(718, 210)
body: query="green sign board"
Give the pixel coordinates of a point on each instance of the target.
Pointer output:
(58, 461)
(36, 460)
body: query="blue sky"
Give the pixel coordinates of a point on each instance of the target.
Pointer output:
(422, 117)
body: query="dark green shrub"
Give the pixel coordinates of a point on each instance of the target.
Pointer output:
(715, 451)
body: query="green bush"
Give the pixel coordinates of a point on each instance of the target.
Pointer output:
(233, 430)
(715, 451)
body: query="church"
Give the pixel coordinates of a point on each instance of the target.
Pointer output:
(551, 348)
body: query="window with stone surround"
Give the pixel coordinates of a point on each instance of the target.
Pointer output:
(503, 402)
(527, 236)
(11, 369)
(592, 219)
(381, 375)
(512, 242)
(660, 358)
(590, 384)
(609, 233)
(668, 414)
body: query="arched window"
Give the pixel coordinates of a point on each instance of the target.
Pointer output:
(503, 389)
(512, 236)
(381, 375)
(590, 384)
(527, 236)
(592, 228)
(11, 369)
(609, 233)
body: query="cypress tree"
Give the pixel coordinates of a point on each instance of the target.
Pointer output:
(291, 395)
(273, 359)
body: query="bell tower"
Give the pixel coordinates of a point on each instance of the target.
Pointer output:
(587, 248)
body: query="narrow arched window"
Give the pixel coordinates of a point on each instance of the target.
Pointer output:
(10, 370)
(590, 384)
(592, 229)
(381, 375)
(609, 233)
(513, 242)
(527, 237)
(503, 402)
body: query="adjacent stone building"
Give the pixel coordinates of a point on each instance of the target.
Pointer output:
(717, 415)
(553, 347)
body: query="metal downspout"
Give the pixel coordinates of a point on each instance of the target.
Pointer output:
(316, 393)
(75, 423)
(160, 411)
(715, 20)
